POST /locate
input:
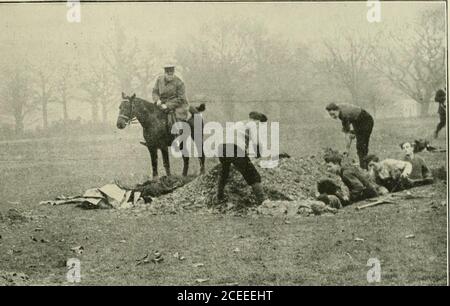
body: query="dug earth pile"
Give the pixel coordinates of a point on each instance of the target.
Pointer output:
(293, 181)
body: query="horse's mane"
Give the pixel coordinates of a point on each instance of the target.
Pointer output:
(151, 107)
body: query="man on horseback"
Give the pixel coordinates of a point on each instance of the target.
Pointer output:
(169, 94)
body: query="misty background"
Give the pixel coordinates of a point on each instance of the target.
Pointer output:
(286, 59)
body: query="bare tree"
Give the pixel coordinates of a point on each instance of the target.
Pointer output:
(64, 91)
(281, 72)
(217, 60)
(237, 60)
(147, 69)
(98, 89)
(16, 93)
(416, 62)
(43, 90)
(120, 55)
(378, 93)
(347, 61)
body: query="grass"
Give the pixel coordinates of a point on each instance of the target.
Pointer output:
(313, 250)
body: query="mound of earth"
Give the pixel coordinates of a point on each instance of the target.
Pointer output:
(294, 179)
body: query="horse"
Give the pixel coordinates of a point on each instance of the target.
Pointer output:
(154, 120)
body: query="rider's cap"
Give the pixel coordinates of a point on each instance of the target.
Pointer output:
(169, 67)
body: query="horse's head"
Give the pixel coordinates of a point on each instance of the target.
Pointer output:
(126, 111)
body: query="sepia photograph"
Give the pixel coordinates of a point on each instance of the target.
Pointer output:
(223, 145)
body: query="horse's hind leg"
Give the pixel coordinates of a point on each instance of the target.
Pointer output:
(197, 138)
(154, 158)
(166, 161)
(201, 159)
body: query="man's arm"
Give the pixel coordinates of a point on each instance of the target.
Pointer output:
(395, 165)
(407, 169)
(369, 185)
(356, 186)
(345, 125)
(181, 94)
(254, 139)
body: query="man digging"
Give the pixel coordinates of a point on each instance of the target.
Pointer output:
(362, 123)
(236, 153)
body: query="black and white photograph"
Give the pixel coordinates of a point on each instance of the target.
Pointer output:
(208, 145)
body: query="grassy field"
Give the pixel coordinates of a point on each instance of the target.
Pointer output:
(244, 250)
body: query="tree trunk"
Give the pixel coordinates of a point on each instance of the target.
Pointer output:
(424, 108)
(104, 113)
(94, 109)
(65, 112)
(44, 115)
(228, 106)
(19, 125)
(373, 103)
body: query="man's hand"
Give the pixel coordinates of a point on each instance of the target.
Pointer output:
(404, 175)
(155, 98)
(163, 106)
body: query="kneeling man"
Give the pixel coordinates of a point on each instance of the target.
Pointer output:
(358, 183)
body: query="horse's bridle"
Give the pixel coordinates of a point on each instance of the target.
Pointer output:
(128, 119)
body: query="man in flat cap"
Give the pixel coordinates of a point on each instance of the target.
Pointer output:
(237, 152)
(442, 110)
(360, 120)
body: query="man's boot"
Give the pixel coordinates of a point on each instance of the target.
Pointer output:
(258, 192)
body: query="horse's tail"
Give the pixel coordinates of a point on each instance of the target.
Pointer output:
(201, 107)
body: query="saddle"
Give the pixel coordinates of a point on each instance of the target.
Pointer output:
(181, 114)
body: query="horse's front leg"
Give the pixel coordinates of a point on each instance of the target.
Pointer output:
(201, 158)
(154, 158)
(185, 155)
(166, 161)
